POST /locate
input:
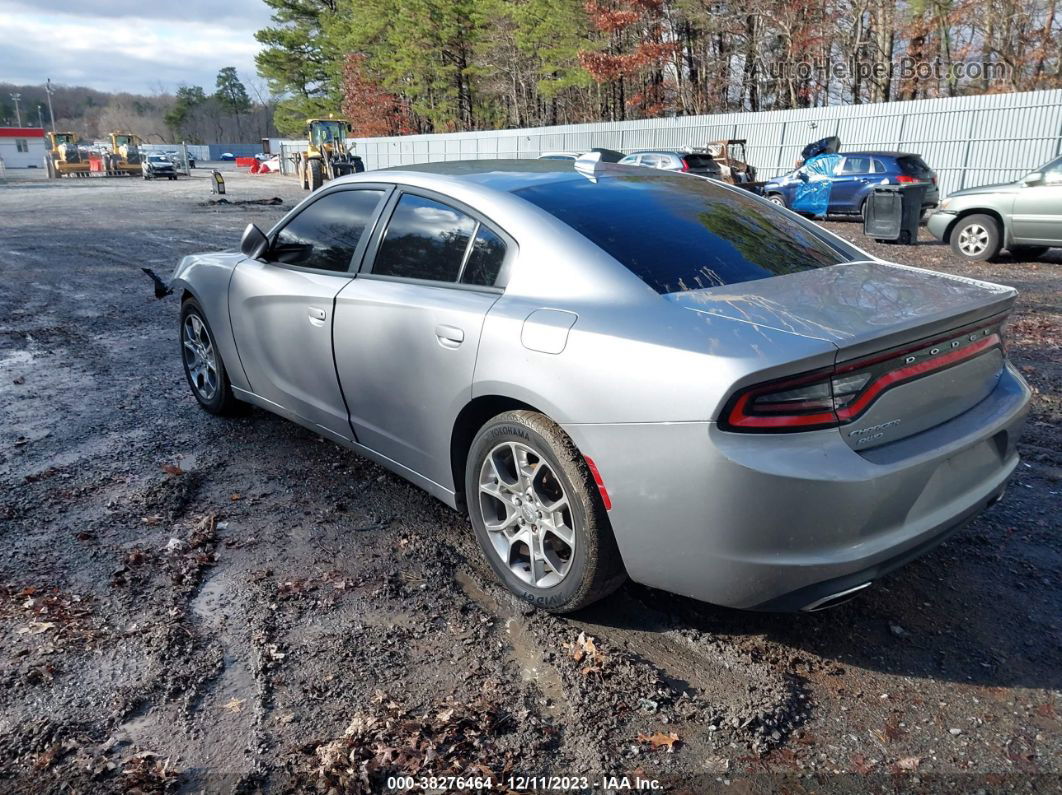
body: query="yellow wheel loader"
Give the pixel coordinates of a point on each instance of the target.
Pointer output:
(326, 156)
(63, 158)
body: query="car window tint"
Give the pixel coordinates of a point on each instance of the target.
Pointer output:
(879, 167)
(701, 161)
(485, 259)
(325, 235)
(425, 239)
(677, 233)
(856, 165)
(914, 166)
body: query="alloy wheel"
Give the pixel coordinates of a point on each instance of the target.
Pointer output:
(973, 239)
(199, 357)
(527, 514)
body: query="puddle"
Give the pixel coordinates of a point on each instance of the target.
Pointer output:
(524, 651)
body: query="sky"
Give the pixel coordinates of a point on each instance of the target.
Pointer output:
(115, 45)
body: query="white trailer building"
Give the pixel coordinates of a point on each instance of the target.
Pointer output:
(22, 147)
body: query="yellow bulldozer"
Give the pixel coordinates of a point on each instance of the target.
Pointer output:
(326, 156)
(64, 158)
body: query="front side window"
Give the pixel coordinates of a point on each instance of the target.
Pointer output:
(1053, 172)
(326, 234)
(677, 233)
(425, 239)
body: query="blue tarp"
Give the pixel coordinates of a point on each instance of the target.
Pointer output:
(813, 196)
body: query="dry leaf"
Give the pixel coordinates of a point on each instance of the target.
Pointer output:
(659, 740)
(172, 469)
(908, 763)
(234, 497)
(585, 650)
(36, 628)
(861, 765)
(233, 705)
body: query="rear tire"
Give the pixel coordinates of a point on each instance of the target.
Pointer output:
(203, 367)
(976, 238)
(776, 198)
(558, 558)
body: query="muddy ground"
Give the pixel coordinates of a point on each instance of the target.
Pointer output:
(192, 603)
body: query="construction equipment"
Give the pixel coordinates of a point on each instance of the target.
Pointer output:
(326, 156)
(64, 158)
(730, 155)
(125, 154)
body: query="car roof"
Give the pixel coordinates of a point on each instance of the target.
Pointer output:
(661, 152)
(877, 153)
(503, 175)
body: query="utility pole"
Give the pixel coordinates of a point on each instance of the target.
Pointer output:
(18, 113)
(48, 91)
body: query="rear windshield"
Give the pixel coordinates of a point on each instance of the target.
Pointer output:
(700, 161)
(914, 166)
(679, 233)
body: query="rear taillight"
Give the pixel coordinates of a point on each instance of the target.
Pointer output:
(685, 165)
(903, 179)
(840, 394)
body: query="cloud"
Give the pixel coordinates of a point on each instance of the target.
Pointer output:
(141, 51)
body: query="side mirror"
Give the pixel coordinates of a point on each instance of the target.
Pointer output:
(254, 242)
(1034, 178)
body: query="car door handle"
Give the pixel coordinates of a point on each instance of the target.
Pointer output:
(449, 336)
(317, 315)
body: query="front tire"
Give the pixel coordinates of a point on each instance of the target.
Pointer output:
(976, 238)
(316, 174)
(203, 367)
(538, 515)
(776, 198)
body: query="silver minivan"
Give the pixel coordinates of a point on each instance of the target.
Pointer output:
(1024, 217)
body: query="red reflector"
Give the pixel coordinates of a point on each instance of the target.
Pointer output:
(599, 482)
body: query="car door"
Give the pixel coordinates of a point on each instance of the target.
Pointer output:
(848, 183)
(407, 328)
(1036, 217)
(281, 306)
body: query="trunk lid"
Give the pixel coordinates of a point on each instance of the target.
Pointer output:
(926, 339)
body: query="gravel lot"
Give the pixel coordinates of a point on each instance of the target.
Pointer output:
(194, 603)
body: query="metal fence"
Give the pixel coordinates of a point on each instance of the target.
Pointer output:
(968, 141)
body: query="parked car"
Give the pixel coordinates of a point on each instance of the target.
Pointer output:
(1024, 217)
(854, 179)
(700, 163)
(619, 371)
(175, 158)
(157, 167)
(226, 156)
(607, 155)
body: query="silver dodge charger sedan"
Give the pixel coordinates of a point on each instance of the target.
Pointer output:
(620, 372)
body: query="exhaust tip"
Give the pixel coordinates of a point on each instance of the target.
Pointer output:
(834, 599)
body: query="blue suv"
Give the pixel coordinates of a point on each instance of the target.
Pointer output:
(854, 178)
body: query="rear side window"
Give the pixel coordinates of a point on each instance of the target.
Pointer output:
(326, 234)
(425, 239)
(914, 166)
(856, 165)
(485, 259)
(680, 233)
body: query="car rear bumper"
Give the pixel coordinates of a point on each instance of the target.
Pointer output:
(784, 522)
